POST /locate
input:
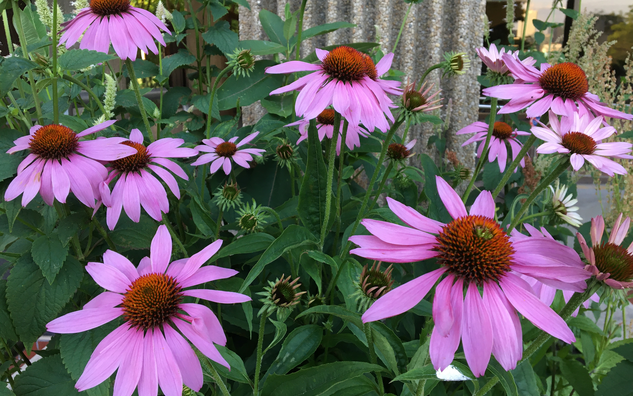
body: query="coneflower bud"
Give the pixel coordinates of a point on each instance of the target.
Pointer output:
(242, 62)
(251, 218)
(372, 284)
(456, 63)
(228, 196)
(281, 297)
(286, 154)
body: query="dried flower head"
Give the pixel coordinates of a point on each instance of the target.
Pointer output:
(417, 102)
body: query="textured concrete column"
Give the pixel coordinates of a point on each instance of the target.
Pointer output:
(433, 27)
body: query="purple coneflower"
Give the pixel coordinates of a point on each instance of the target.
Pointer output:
(475, 253)
(221, 153)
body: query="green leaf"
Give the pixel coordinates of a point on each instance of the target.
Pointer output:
(222, 37)
(540, 25)
(12, 209)
(421, 373)
(248, 89)
(292, 237)
(46, 377)
(280, 332)
(34, 29)
(383, 337)
(584, 323)
(33, 302)
(300, 344)
(250, 243)
(617, 381)
(436, 206)
(273, 26)
(180, 58)
(312, 195)
(4, 391)
(243, 3)
(290, 27)
(316, 380)
(9, 162)
(76, 350)
(578, 377)
(143, 69)
(281, 105)
(539, 37)
(322, 258)
(238, 371)
(49, 254)
(217, 10)
(130, 235)
(626, 135)
(7, 332)
(357, 386)
(12, 68)
(325, 28)
(68, 226)
(335, 310)
(505, 378)
(178, 21)
(81, 58)
(573, 14)
(525, 379)
(202, 219)
(261, 47)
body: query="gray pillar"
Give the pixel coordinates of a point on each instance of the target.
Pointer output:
(433, 27)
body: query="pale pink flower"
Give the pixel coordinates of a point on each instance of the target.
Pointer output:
(474, 252)
(59, 163)
(114, 21)
(222, 153)
(581, 137)
(493, 58)
(502, 136)
(325, 127)
(149, 349)
(136, 185)
(562, 87)
(609, 261)
(347, 80)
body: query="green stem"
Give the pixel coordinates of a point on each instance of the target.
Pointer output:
(382, 184)
(274, 213)
(25, 119)
(565, 313)
(341, 164)
(215, 375)
(215, 87)
(87, 89)
(54, 51)
(139, 98)
(544, 183)
(372, 355)
(104, 234)
(7, 31)
(426, 73)
(370, 188)
(330, 178)
(510, 169)
(300, 29)
(23, 44)
(533, 216)
(219, 224)
(406, 130)
(624, 322)
(484, 152)
(260, 347)
(174, 236)
(527, 10)
(404, 21)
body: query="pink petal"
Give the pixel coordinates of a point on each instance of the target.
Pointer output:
(206, 274)
(397, 234)
(218, 296)
(129, 373)
(160, 250)
(292, 67)
(476, 331)
(442, 307)
(131, 199)
(442, 349)
(204, 345)
(108, 277)
(205, 323)
(169, 377)
(451, 200)
(148, 383)
(121, 263)
(402, 298)
(484, 205)
(186, 359)
(197, 260)
(83, 320)
(504, 346)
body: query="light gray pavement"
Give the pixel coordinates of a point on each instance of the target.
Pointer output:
(590, 206)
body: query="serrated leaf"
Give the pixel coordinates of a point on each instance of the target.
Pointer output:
(577, 376)
(292, 237)
(316, 380)
(250, 243)
(525, 379)
(178, 21)
(68, 226)
(584, 323)
(32, 301)
(7, 332)
(46, 377)
(222, 37)
(12, 210)
(81, 58)
(180, 58)
(49, 254)
(12, 68)
(625, 350)
(617, 381)
(130, 235)
(312, 195)
(217, 10)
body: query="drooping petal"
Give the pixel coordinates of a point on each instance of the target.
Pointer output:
(185, 358)
(476, 331)
(442, 307)
(451, 199)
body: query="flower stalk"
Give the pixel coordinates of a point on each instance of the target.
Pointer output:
(515, 163)
(211, 99)
(484, 153)
(260, 355)
(139, 98)
(330, 178)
